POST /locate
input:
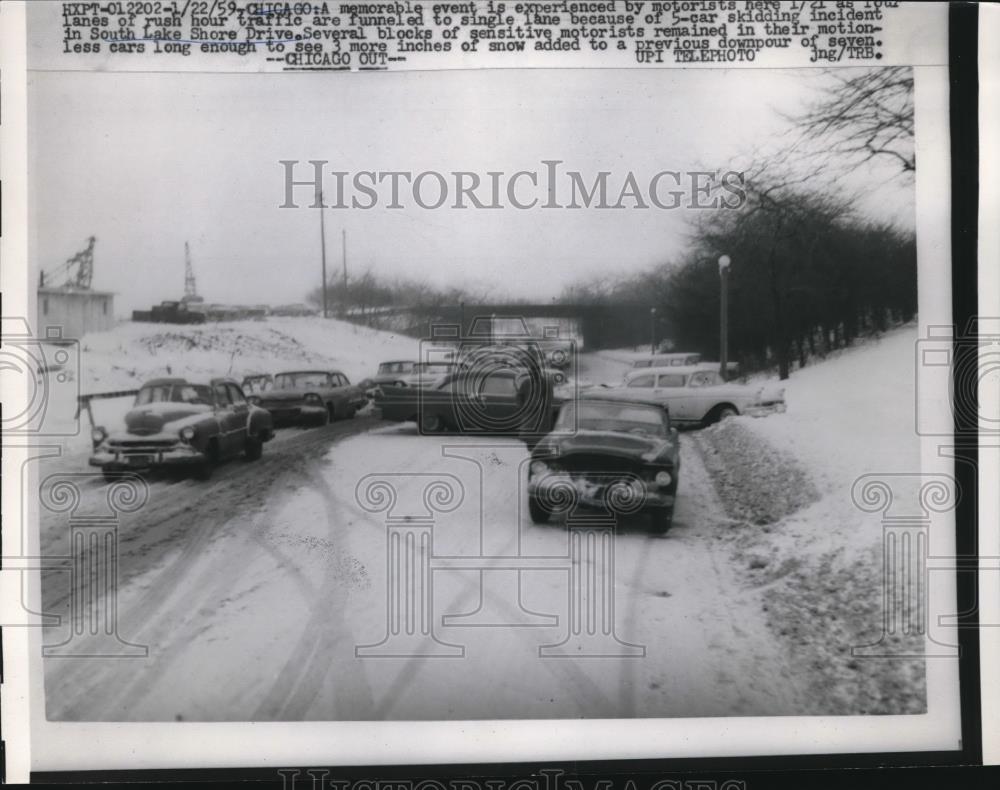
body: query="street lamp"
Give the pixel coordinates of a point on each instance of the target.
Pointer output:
(724, 263)
(652, 330)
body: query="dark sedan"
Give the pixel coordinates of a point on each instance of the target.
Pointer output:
(310, 397)
(175, 423)
(617, 456)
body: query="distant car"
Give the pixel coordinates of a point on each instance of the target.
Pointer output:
(256, 383)
(500, 400)
(310, 397)
(175, 423)
(696, 396)
(391, 374)
(614, 454)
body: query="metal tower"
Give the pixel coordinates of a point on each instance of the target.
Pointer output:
(82, 263)
(190, 288)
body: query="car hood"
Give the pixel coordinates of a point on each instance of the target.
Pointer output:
(153, 417)
(649, 449)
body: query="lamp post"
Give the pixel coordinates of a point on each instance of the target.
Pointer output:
(724, 262)
(652, 330)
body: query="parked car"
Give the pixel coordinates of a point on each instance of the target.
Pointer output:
(501, 400)
(619, 455)
(175, 423)
(391, 374)
(310, 397)
(696, 396)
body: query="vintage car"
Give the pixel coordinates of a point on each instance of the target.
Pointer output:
(310, 397)
(618, 455)
(391, 374)
(699, 396)
(501, 400)
(175, 423)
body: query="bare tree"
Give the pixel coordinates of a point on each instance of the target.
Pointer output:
(864, 116)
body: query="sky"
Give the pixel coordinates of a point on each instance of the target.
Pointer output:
(145, 162)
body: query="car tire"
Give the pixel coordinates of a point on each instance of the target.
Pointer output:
(431, 423)
(725, 412)
(326, 417)
(203, 471)
(254, 448)
(540, 514)
(661, 519)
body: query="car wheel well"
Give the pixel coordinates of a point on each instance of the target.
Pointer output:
(716, 412)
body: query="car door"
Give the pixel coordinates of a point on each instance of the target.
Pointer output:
(701, 397)
(498, 400)
(224, 419)
(241, 417)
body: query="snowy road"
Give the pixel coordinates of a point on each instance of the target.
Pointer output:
(254, 591)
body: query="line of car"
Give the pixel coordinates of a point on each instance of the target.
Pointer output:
(614, 447)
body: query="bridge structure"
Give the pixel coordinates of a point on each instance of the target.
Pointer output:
(592, 326)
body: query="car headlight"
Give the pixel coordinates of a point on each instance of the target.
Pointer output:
(98, 435)
(187, 434)
(663, 479)
(539, 468)
(312, 397)
(253, 400)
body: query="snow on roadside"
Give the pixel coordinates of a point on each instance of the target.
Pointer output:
(133, 352)
(786, 481)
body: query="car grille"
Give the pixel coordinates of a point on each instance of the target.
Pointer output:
(594, 465)
(141, 446)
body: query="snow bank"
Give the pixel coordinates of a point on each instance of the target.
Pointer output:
(786, 482)
(131, 353)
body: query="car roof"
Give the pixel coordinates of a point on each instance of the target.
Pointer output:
(304, 372)
(680, 369)
(610, 397)
(163, 382)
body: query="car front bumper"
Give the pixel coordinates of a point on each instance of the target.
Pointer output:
(764, 409)
(118, 460)
(590, 494)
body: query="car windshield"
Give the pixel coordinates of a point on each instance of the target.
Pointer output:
(615, 417)
(395, 367)
(296, 381)
(434, 368)
(175, 393)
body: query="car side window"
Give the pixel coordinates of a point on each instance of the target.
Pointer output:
(235, 395)
(498, 384)
(344, 381)
(702, 379)
(222, 395)
(642, 381)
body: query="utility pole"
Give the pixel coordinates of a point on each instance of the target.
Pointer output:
(322, 241)
(344, 253)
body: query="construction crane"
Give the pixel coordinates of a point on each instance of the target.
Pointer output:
(78, 270)
(190, 288)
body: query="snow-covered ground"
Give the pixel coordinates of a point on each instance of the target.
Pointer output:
(797, 533)
(254, 590)
(133, 352)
